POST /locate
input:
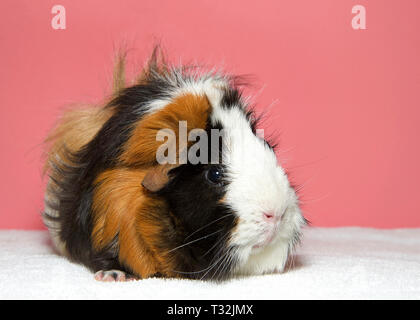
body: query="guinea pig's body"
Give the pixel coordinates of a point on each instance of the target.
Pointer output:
(112, 204)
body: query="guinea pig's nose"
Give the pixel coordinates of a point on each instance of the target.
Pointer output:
(269, 216)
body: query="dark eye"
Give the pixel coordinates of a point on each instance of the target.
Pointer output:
(214, 175)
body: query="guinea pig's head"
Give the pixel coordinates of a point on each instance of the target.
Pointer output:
(214, 201)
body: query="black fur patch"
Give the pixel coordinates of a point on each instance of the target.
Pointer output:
(231, 98)
(206, 223)
(206, 220)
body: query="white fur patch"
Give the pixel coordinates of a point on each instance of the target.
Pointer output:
(258, 184)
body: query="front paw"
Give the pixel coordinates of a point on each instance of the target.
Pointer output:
(114, 276)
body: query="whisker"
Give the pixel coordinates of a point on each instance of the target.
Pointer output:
(229, 214)
(217, 242)
(186, 244)
(224, 264)
(218, 255)
(301, 186)
(194, 272)
(222, 257)
(219, 265)
(306, 200)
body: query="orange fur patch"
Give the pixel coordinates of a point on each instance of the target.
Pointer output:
(117, 201)
(121, 206)
(141, 148)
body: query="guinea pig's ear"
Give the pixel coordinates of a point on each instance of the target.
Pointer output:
(157, 177)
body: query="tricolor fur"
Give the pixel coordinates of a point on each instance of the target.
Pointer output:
(110, 205)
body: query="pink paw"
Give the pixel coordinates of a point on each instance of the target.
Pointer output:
(113, 276)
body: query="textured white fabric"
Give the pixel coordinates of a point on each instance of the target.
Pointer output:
(331, 263)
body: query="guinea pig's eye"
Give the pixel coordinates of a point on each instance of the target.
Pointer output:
(214, 175)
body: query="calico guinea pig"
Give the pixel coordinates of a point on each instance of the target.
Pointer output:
(112, 204)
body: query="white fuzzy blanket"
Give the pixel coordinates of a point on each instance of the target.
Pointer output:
(337, 263)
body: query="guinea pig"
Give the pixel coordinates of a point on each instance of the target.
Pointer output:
(113, 204)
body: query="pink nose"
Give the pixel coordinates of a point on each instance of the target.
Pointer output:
(269, 216)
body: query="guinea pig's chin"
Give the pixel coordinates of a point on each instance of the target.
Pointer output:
(262, 259)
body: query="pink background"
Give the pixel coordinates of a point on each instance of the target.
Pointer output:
(347, 101)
